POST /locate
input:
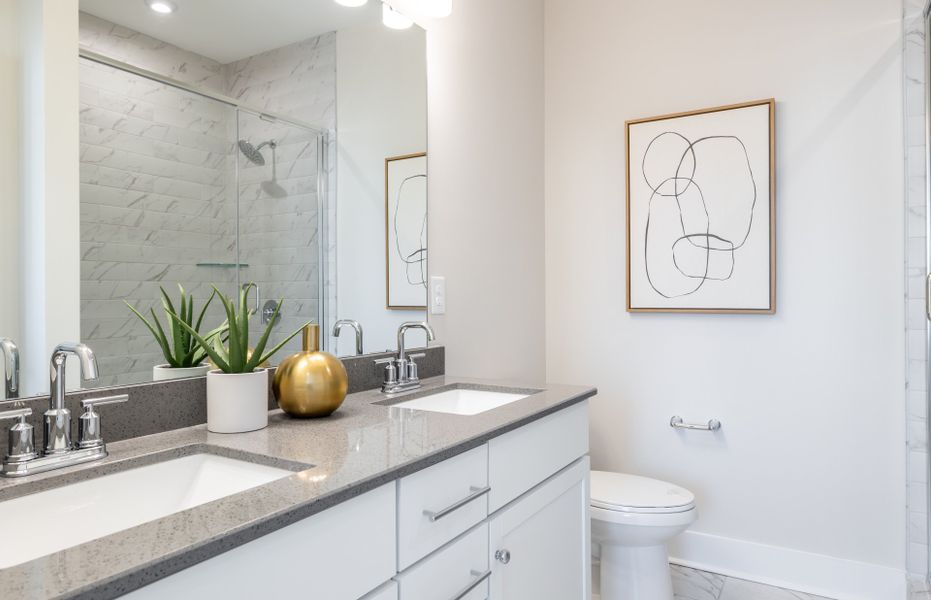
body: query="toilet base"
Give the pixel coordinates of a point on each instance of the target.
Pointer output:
(635, 573)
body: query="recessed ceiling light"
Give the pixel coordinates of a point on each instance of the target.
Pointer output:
(164, 7)
(352, 3)
(393, 19)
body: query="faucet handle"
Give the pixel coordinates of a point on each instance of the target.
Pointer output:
(89, 422)
(391, 370)
(21, 440)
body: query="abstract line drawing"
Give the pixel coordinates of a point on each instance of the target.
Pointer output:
(700, 211)
(406, 232)
(415, 261)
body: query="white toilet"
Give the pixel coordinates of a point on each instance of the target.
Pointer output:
(632, 519)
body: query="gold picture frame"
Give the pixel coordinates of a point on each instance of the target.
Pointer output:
(638, 307)
(388, 220)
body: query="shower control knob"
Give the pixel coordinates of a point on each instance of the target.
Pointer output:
(503, 556)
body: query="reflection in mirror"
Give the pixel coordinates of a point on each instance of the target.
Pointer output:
(237, 142)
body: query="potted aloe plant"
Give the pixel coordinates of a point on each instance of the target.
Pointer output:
(237, 391)
(183, 355)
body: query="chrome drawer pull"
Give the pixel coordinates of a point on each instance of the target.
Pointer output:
(479, 578)
(476, 493)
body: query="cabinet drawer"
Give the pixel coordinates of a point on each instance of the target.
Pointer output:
(457, 572)
(520, 459)
(440, 502)
(339, 554)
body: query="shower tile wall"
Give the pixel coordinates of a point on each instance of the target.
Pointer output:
(916, 380)
(278, 237)
(158, 191)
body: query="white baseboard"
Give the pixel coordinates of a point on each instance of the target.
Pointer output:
(817, 574)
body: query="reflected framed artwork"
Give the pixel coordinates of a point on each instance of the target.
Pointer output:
(406, 232)
(701, 221)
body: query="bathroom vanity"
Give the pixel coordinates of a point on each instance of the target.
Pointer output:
(378, 502)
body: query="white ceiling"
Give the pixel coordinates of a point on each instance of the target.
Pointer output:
(229, 30)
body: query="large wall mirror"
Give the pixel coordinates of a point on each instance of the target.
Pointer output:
(231, 142)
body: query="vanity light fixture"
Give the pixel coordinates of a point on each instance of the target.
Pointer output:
(351, 3)
(435, 9)
(163, 7)
(393, 19)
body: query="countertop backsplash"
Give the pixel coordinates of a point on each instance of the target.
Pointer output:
(166, 405)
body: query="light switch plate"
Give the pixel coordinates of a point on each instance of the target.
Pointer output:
(437, 295)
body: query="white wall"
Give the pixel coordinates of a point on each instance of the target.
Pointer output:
(812, 454)
(381, 107)
(485, 115)
(50, 247)
(10, 153)
(811, 457)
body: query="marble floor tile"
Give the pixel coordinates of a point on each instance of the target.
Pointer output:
(738, 589)
(692, 584)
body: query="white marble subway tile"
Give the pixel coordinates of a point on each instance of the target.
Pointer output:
(917, 345)
(917, 559)
(915, 314)
(917, 436)
(918, 466)
(916, 372)
(739, 589)
(916, 223)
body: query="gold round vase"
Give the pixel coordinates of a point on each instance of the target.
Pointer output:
(310, 383)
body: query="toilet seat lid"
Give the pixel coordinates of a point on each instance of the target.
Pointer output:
(632, 493)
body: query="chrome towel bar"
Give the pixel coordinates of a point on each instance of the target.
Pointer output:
(677, 423)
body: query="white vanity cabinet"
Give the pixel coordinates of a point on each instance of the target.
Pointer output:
(540, 544)
(342, 553)
(507, 520)
(534, 517)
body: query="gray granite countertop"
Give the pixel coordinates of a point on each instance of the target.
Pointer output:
(361, 446)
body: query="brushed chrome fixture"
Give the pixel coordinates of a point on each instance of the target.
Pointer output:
(254, 153)
(503, 556)
(268, 311)
(337, 327)
(479, 578)
(11, 367)
(677, 423)
(57, 417)
(474, 493)
(401, 372)
(255, 156)
(22, 459)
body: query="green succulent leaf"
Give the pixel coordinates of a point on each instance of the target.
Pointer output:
(180, 348)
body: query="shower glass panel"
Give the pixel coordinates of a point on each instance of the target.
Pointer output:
(179, 187)
(158, 208)
(279, 223)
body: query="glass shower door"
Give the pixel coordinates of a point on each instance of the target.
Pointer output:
(279, 224)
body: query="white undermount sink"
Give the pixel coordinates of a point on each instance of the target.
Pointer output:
(459, 401)
(62, 517)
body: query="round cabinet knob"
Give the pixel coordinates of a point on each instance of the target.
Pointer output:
(503, 556)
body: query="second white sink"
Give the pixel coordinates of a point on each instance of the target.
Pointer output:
(62, 517)
(461, 401)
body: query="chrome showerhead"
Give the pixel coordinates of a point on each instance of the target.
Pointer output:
(254, 153)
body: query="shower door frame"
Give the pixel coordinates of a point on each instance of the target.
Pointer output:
(322, 189)
(926, 21)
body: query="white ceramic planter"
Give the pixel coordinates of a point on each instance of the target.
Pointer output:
(164, 372)
(237, 403)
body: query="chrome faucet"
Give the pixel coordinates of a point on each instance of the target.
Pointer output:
(356, 326)
(57, 417)
(58, 451)
(401, 372)
(11, 367)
